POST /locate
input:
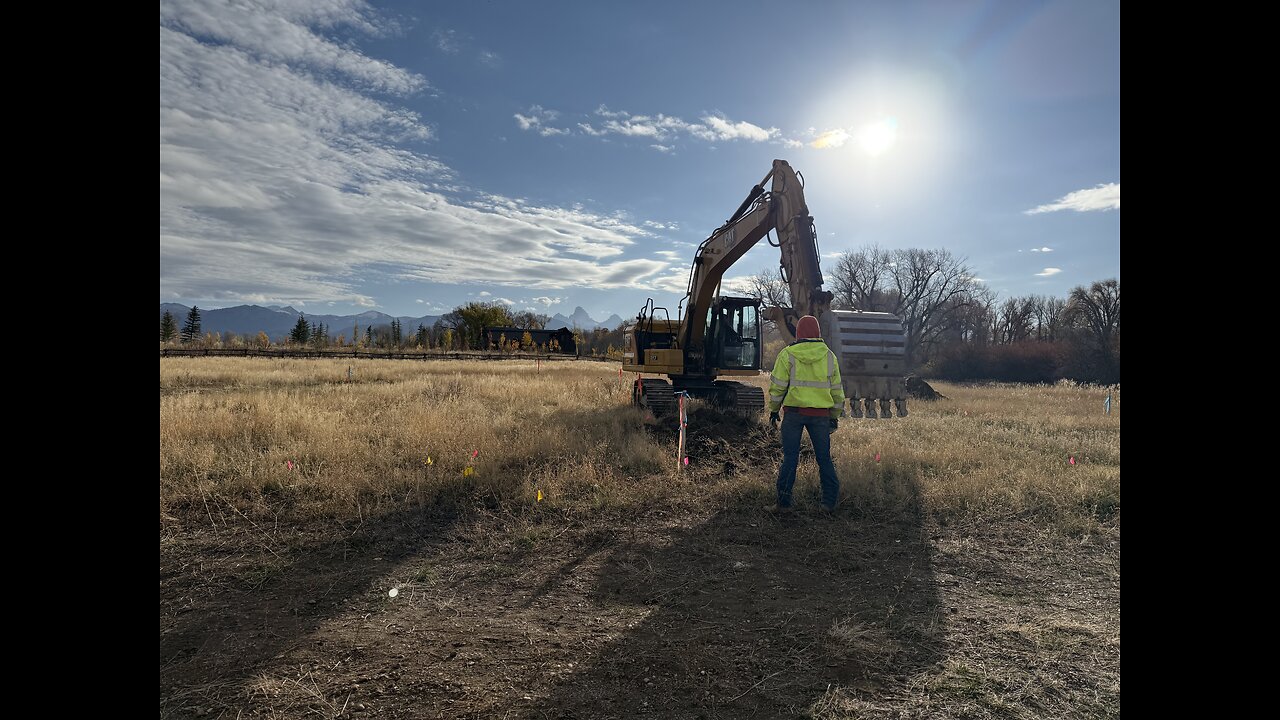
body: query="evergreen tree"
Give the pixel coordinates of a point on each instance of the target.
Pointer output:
(422, 340)
(301, 332)
(191, 328)
(368, 336)
(168, 327)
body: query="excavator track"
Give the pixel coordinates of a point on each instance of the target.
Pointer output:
(742, 398)
(654, 395)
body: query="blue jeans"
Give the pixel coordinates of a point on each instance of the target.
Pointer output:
(793, 425)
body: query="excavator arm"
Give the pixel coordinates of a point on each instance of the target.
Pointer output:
(781, 208)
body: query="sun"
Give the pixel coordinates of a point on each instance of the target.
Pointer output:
(879, 137)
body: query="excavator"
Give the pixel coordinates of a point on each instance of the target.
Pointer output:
(718, 336)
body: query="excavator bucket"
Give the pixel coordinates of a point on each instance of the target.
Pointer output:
(872, 350)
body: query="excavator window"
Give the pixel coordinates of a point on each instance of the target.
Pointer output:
(735, 336)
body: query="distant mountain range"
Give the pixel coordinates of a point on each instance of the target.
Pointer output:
(580, 319)
(277, 321)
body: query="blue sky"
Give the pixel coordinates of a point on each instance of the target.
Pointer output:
(342, 156)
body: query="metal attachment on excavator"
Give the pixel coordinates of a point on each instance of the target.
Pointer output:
(870, 406)
(872, 351)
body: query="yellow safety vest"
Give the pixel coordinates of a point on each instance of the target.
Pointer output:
(806, 374)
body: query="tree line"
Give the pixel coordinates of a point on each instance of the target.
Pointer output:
(958, 329)
(460, 329)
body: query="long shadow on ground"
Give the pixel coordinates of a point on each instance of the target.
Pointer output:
(232, 600)
(749, 615)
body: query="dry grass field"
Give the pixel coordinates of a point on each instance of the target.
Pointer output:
(374, 545)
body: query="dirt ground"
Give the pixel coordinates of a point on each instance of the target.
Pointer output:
(672, 612)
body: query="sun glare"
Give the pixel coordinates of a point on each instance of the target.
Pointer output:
(878, 137)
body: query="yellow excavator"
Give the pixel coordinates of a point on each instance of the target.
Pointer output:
(718, 336)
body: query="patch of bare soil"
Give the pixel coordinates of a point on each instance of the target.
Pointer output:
(666, 613)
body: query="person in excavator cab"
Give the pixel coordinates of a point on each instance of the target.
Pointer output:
(806, 383)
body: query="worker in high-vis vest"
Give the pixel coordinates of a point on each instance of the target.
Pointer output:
(806, 384)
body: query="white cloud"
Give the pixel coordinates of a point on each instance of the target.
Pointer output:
(446, 41)
(548, 301)
(505, 301)
(537, 119)
(286, 35)
(654, 224)
(792, 144)
(831, 139)
(644, 126)
(451, 42)
(419, 301)
(283, 175)
(740, 285)
(668, 254)
(1041, 249)
(1102, 197)
(1048, 272)
(603, 111)
(485, 293)
(660, 128)
(721, 128)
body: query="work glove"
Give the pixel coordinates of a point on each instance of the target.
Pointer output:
(773, 419)
(835, 423)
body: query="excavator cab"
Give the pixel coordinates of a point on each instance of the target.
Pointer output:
(733, 334)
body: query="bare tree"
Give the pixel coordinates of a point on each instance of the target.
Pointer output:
(529, 320)
(1048, 313)
(1096, 311)
(926, 289)
(1017, 316)
(932, 287)
(973, 320)
(860, 277)
(976, 317)
(768, 287)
